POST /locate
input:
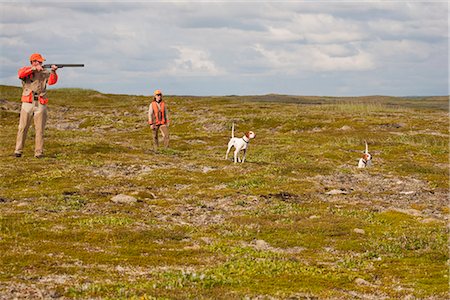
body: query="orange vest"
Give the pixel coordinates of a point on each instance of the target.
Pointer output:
(160, 117)
(36, 82)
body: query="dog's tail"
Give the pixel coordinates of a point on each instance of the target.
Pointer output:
(367, 148)
(232, 131)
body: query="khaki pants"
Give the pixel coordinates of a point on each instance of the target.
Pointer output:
(164, 132)
(39, 111)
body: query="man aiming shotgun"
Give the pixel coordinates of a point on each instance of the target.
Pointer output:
(34, 100)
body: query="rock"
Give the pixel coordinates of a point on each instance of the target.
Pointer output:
(359, 230)
(120, 269)
(121, 198)
(360, 281)
(345, 128)
(407, 193)
(261, 245)
(337, 192)
(67, 126)
(207, 169)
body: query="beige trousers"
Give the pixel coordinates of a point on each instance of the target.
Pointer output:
(39, 111)
(165, 134)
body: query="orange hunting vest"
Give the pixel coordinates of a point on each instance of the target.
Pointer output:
(36, 82)
(160, 117)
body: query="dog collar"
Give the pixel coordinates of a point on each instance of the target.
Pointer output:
(246, 141)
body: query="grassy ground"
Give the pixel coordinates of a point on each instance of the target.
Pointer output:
(297, 220)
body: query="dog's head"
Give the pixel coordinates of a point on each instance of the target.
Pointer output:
(250, 134)
(367, 156)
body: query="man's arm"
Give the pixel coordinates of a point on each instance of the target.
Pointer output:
(25, 72)
(28, 70)
(53, 78)
(150, 113)
(166, 114)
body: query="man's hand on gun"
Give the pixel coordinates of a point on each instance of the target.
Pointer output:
(37, 68)
(62, 66)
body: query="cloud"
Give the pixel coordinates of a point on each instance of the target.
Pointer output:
(193, 62)
(232, 47)
(324, 28)
(361, 61)
(316, 58)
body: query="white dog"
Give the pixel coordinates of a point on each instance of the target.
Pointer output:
(366, 159)
(239, 144)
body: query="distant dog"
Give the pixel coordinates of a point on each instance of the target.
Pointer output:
(239, 144)
(366, 159)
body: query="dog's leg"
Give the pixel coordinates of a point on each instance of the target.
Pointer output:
(243, 156)
(230, 144)
(236, 155)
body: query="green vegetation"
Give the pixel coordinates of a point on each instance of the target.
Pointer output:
(203, 227)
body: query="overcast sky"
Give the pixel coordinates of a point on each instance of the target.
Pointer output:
(233, 48)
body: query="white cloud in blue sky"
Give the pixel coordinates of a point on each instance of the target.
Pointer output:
(222, 48)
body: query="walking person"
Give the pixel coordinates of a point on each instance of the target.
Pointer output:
(34, 102)
(158, 118)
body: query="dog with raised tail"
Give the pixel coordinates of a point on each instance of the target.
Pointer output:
(366, 159)
(240, 144)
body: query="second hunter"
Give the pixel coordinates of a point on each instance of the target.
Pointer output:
(158, 118)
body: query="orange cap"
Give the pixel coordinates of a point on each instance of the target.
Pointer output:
(157, 92)
(36, 56)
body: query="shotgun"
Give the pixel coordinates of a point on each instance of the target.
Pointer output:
(62, 65)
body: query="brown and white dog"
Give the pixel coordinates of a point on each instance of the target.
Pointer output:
(366, 159)
(239, 144)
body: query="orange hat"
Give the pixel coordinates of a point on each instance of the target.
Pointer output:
(157, 92)
(36, 56)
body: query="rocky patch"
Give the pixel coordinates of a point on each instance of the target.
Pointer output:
(390, 192)
(124, 199)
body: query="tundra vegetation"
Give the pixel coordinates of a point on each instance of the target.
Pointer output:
(297, 220)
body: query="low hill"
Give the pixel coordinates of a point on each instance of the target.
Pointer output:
(102, 215)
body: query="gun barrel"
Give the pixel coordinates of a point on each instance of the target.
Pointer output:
(63, 65)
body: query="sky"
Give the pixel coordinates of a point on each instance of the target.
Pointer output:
(206, 48)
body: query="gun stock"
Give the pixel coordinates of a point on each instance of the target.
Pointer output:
(63, 65)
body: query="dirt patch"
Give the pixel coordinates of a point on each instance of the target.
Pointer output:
(283, 196)
(10, 105)
(389, 192)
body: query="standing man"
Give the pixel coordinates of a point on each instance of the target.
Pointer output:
(158, 118)
(34, 102)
